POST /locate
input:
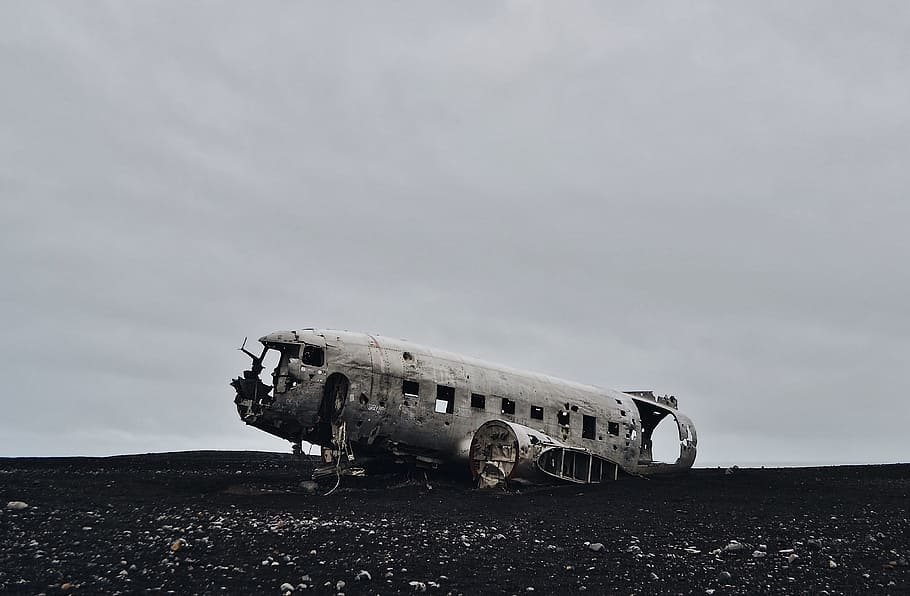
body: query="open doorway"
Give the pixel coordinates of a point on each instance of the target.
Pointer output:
(659, 434)
(665, 441)
(333, 401)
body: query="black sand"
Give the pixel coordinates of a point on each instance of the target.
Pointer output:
(237, 523)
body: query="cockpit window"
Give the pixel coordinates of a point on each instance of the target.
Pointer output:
(313, 356)
(280, 374)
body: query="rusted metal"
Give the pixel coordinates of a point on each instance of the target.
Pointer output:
(380, 399)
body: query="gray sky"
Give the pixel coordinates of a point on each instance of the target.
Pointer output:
(709, 200)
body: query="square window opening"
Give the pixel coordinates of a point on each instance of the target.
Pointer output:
(445, 399)
(613, 428)
(410, 389)
(313, 356)
(588, 427)
(536, 413)
(562, 417)
(478, 401)
(508, 406)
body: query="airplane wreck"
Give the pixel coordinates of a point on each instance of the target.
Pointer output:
(366, 399)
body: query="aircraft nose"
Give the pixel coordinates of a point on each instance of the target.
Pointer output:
(279, 337)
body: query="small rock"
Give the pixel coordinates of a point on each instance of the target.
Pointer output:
(339, 585)
(758, 554)
(653, 576)
(309, 486)
(17, 505)
(286, 587)
(734, 546)
(418, 586)
(596, 546)
(832, 564)
(724, 576)
(364, 575)
(792, 559)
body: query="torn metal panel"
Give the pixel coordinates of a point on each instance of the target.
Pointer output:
(374, 398)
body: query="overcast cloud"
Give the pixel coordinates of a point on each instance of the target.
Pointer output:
(709, 200)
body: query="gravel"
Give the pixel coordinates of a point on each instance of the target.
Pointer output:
(232, 523)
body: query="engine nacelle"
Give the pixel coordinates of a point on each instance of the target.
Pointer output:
(503, 451)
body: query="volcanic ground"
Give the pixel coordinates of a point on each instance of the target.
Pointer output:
(240, 523)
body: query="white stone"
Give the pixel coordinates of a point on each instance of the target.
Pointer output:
(17, 505)
(309, 486)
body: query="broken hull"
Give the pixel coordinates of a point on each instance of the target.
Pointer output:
(356, 394)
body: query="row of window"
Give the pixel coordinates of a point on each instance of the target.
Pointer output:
(445, 404)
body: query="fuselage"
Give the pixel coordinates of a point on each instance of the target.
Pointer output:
(397, 398)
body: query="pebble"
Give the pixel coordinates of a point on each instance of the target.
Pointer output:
(364, 575)
(596, 546)
(734, 546)
(17, 505)
(724, 576)
(309, 486)
(286, 587)
(653, 576)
